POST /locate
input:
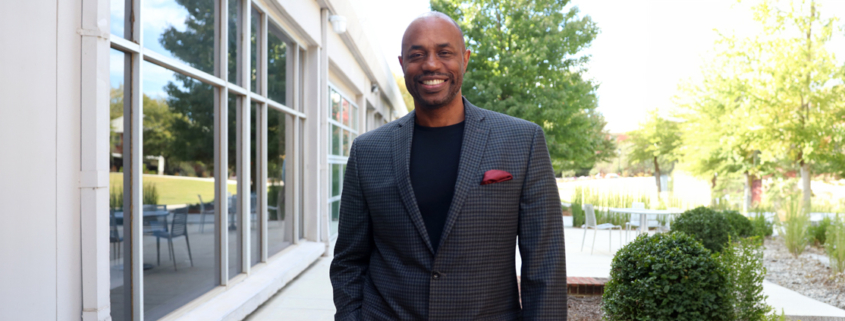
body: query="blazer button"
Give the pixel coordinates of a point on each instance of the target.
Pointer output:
(435, 275)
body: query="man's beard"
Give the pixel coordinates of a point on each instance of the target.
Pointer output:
(433, 104)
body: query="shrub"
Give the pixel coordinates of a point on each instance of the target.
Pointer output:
(761, 226)
(740, 224)
(578, 216)
(150, 194)
(794, 227)
(835, 245)
(705, 225)
(743, 263)
(666, 277)
(116, 198)
(817, 233)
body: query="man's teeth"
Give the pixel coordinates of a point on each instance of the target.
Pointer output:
(433, 81)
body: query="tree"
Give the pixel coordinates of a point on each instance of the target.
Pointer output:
(717, 141)
(406, 96)
(657, 141)
(527, 63)
(795, 88)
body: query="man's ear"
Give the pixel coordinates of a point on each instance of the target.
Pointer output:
(401, 63)
(467, 53)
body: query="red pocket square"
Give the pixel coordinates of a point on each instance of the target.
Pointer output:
(496, 176)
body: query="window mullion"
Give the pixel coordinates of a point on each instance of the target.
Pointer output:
(244, 137)
(221, 139)
(136, 255)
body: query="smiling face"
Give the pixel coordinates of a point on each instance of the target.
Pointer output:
(434, 60)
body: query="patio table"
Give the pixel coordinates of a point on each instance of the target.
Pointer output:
(644, 213)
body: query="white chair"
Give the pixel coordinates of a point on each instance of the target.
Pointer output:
(590, 215)
(634, 220)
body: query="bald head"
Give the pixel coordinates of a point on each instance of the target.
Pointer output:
(434, 59)
(433, 17)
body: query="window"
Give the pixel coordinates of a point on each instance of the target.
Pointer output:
(343, 128)
(190, 179)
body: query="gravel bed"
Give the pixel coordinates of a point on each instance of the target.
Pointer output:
(584, 308)
(805, 275)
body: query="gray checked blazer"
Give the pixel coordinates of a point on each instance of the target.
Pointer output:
(384, 267)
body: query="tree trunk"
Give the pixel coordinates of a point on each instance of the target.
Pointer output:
(713, 190)
(657, 175)
(805, 184)
(749, 182)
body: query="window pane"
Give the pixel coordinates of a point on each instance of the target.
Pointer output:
(254, 236)
(118, 245)
(276, 64)
(347, 143)
(335, 137)
(336, 179)
(178, 147)
(279, 222)
(335, 105)
(183, 30)
(233, 217)
(345, 113)
(118, 17)
(234, 53)
(335, 208)
(255, 21)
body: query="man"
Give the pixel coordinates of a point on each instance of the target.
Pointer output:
(435, 203)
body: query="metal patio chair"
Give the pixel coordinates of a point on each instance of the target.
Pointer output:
(114, 235)
(203, 212)
(179, 227)
(590, 215)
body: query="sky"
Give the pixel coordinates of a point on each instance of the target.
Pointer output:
(645, 48)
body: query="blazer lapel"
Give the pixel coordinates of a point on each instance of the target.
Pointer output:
(402, 136)
(472, 150)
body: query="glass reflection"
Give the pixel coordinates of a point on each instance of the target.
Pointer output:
(279, 217)
(118, 243)
(255, 20)
(335, 136)
(254, 236)
(234, 53)
(118, 17)
(276, 64)
(345, 113)
(181, 29)
(234, 221)
(335, 105)
(178, 190)
(347, 142)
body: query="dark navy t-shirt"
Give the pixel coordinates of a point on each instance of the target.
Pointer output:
(435, 154)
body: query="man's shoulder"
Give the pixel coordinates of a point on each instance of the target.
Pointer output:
(379, 137)
(505, 123)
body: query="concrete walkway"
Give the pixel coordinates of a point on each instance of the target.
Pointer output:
(309, 297)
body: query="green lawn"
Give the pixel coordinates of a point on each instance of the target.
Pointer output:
(173, 190)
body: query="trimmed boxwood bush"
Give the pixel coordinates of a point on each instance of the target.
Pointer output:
(762, 227)
(740, 224)
(709, 227)
(666, 277)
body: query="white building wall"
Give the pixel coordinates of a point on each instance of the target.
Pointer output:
(41, 251)
(40, 271)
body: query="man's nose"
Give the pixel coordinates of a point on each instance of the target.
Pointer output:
(431, 63)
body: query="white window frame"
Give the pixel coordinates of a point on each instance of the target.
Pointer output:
(133, 137)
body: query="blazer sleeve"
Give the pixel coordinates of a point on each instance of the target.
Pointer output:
(353, 247)
(543, 279)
